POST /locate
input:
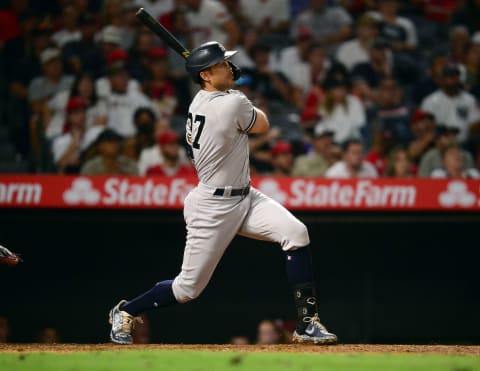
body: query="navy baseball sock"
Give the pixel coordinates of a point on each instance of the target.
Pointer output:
(160, 295)
(300, 275)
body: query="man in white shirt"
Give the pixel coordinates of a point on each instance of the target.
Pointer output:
(451, 105)
(122, 102)
(352, 164)
(266, 15)
(357, 50)
(210, 20)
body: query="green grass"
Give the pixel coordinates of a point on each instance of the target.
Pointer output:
(170, 360)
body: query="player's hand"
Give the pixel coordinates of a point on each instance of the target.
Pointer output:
(8, 257)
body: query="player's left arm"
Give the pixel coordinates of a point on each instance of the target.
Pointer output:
(261, 124)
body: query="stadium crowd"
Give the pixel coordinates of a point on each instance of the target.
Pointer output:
(352, 88)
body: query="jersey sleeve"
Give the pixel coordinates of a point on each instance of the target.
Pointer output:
(246, 114)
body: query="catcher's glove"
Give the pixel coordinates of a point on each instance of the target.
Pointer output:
(8, 257)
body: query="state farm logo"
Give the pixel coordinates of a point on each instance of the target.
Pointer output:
(457, 194)
(81, 191)
(272, 190)
(127, 192)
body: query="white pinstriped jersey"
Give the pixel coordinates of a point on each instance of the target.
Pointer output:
(217, 128)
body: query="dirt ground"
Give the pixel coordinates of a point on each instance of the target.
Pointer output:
(344, 348)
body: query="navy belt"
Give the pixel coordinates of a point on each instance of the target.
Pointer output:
(234, 192)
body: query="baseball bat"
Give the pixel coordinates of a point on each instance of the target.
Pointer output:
(158, 29)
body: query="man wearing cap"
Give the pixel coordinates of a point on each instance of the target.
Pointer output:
(70, 30)
(451, 104)
(422, 126)
(51, 82)
(109, 161)
(68, 148)
(453, 165)
(172, 164)
(121, 97)
(432, 159)
(282, 158)
(315, 163)
(353, 164)
(356, 50)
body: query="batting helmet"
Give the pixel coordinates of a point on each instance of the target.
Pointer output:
(206, 55)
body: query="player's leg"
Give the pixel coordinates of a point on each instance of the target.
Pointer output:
(211, 225)
(268, 220)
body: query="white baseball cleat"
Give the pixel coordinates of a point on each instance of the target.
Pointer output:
(315, 333)
(122, 325)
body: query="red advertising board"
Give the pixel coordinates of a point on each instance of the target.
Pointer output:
(51, 191)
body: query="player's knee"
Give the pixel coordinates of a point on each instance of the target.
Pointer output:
(298, 236)
(185, 292)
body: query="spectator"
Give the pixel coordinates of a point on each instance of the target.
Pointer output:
(296, 54)
(400, 32)
(151, 157)
(49, 335)
(68, 148)
(352, 164)
(459, 39)
(69, 31)
(391, 113)
(423, 130)
(83, 87)
(433, 80)
(282, 158)
(84, 54)
(109, 160)
(451, 104)
(269, 332)
(239, 340)
(141, 331)
(315, 163)
(432, 159)
(144, 119)
(399, 164)
(50, 83)
(266, 82)
(173, 164)
(304, 75)
(383, 143)
(382, 63)
(454, 165)
(4, 330)
(468, 15)
(341, 112)
(139, 59)
(159, 87)
(123, 100)
(267, 16)
(157, 8)
(210, 20)
(356, 51)
(330, 25)
(472, 70)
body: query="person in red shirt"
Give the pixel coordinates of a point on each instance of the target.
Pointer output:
(171, 165)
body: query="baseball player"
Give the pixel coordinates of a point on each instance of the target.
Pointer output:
(224, 204)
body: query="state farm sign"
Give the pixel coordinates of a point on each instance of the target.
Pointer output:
(295, 193)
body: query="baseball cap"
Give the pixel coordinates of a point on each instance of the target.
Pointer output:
(420, 115)
(281, 147)
(322, 131)
(157, 52)
(112, 35)
(108, 135)
(49, 54)
(451, 70)
(167, 137)
(75, 103)
(116, 60)
(366, 20)
(334, 82)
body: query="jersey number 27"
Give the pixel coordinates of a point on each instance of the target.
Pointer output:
(200, 120)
